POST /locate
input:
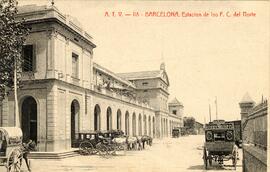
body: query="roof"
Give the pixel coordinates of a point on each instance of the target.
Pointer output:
(246, 99)
(146, 75)
(198, 123)
(11, 132)
(175, 102)
(112, 74)
(140, 75)
(33, 13)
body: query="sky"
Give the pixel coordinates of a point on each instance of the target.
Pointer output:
(205, 57)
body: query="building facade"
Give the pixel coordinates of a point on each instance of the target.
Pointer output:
(254, 134)
(199, 128)
(176, 112)
(64, 91)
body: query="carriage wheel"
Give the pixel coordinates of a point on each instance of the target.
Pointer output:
(234, 158)
(210, 161)
(86, 148)
(135, 146)
(102, 150)
(14, 161)
(111, 149)
(122, 147)
(205, 158)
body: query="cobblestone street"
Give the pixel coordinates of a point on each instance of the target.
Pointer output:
(167, 155)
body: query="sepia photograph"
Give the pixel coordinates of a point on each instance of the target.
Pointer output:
(134, 86)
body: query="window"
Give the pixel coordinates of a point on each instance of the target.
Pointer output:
(145, 83)
(75, 65)
(28, 58)
(174, 112)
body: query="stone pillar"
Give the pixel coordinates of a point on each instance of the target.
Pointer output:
(246, 105)
(114, 117)
(4, 113)
(51, 118)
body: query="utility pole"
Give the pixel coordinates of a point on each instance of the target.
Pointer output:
(216, 109)
(16, 109)
(210, 120)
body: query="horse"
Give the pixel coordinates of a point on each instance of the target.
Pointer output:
(146, 139)
(26, 148)
(131, 142)
(139, 142)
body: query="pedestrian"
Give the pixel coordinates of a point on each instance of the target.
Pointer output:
(26, 149)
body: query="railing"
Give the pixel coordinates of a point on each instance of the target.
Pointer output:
(28, 75)
(260, 139)
(118, 95)
(259, 106)
(255, 128)
(75, 81)
(97, 88)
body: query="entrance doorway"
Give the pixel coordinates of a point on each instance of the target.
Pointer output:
(97, 118)
(75, 111)
(109, 118)
(29, 119)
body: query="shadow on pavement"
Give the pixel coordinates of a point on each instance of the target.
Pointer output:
(215, 167)
(196, 167)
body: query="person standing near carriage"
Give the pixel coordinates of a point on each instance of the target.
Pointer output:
(26, 149)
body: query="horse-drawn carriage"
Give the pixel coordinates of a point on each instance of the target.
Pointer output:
(219, 143)
(11, 153)
(100, 142)
(176, 132)
(109, 142)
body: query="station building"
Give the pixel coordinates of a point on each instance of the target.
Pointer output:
(64, 91)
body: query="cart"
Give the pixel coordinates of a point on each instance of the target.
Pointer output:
(176, 132)
(100, 142)
(89, 143)
(219, 143)
(11, 153)
(114, 140)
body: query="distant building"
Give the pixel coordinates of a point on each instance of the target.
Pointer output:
(65, 91)
(254, 133)
(199, 128)
(176, 112)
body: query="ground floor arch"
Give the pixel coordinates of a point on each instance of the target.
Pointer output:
(127, 123)
(97, 112)
(74, 127)
(29, 119)
(140, 124)
(134, 124)
(109, 119)
(149, 126)
(144, 125)
(154, 127)
(118, 120)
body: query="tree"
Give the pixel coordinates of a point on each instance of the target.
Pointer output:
(12, 36)
(189, 122)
